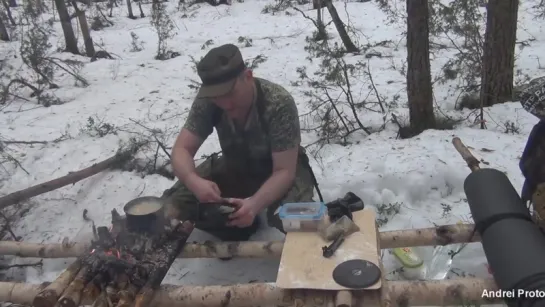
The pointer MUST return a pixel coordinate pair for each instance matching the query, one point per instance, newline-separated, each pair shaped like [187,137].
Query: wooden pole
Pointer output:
[48,297]
[468,157]
[463,291]
[442,235]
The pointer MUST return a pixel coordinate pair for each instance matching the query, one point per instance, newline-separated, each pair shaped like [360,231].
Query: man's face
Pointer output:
[239,98]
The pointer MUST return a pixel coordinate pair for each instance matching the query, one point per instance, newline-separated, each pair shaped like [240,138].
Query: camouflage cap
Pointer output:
[533,99]
[218,70]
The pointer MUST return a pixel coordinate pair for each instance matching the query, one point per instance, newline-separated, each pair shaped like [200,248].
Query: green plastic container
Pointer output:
[413,265]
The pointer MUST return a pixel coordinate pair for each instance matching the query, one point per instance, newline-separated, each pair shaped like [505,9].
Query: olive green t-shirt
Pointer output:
[249,149]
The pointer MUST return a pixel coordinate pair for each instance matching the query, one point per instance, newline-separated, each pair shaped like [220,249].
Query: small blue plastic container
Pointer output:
[304,216]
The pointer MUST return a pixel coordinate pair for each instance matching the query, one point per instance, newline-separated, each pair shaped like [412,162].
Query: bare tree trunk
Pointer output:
[499,52]
[12,3]
[69,36]
[8,11]
[88,41]
[129,8]
[111,5]
[140,8]
[419,89]
[40,6]
[339,25]
[4,35]
[322,33]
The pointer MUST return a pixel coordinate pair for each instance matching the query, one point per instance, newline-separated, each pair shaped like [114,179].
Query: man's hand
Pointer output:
[244,215]
[204,190]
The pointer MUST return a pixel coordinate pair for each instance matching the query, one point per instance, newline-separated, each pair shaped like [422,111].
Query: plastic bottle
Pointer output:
[441,261]
[412,265]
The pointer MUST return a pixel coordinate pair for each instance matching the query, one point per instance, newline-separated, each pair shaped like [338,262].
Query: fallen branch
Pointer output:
[25,142]
[71,178]
[12,159]
[154,132]
[8,142]
[470,159]
[402,293]
[7,227]
[442,235]
[22,265]
[35,91]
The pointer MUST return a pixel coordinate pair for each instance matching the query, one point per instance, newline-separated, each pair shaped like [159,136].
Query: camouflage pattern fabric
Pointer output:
[246,161]
[248,149]
[532,163]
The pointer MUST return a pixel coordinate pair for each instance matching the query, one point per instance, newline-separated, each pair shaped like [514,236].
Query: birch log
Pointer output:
[442,235]
[463,291]
[49,295]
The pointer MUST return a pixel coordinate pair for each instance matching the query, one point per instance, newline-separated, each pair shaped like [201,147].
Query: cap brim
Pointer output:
[211,91]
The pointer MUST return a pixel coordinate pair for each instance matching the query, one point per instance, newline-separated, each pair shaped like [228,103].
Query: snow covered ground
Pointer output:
[423,175]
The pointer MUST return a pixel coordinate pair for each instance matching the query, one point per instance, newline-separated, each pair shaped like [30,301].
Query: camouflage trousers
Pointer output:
[182,203]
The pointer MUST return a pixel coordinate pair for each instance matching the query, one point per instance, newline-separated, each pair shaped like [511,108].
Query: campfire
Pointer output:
[125,263]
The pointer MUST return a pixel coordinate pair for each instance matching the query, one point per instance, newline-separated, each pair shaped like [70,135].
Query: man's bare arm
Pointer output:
[280,181]
[186,146]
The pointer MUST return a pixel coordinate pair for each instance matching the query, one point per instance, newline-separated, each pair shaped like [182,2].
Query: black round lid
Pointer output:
[356,273]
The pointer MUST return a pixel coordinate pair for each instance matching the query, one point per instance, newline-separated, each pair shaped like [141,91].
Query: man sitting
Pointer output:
[532,162]
[262,164]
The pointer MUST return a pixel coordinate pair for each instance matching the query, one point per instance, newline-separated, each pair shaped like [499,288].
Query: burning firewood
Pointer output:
[120,268]
[101,300]
[73,293]
[169,254]
[126,297]
[93,289]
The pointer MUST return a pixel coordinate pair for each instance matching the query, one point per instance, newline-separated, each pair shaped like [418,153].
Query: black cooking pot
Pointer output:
[145,215]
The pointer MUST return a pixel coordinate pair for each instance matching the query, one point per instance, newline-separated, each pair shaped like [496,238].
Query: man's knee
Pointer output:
[180,201]
[183,205]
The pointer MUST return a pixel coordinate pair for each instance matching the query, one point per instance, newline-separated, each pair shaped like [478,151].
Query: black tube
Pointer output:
[510,245]
[513,244]
[492,197]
